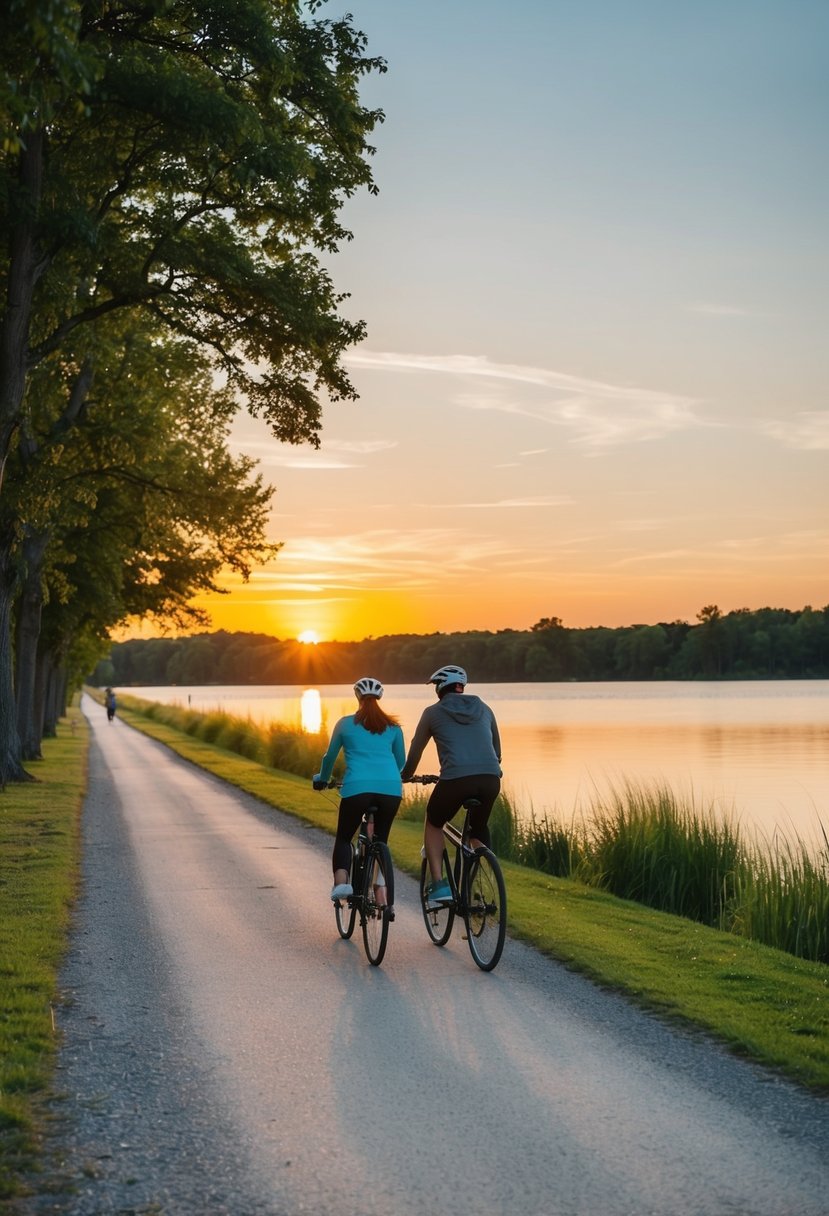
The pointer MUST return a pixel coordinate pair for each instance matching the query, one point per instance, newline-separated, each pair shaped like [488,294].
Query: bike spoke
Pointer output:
[486,909]
[345,911]
[438,921]
[378,893]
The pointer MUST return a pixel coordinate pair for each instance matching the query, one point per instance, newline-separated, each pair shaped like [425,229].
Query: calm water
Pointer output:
[759,749]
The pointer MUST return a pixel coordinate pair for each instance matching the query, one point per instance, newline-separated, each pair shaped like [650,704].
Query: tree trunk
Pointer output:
[11,767]
[24,269]
[29,612]
[52,679]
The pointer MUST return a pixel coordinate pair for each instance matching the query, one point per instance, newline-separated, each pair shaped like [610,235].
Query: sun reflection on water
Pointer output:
[311,711]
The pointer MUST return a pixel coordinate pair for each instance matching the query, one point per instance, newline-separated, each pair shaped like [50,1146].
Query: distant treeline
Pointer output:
[769,643]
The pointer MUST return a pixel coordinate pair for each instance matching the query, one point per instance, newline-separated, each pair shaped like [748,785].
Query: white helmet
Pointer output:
[368,687]
[447,675]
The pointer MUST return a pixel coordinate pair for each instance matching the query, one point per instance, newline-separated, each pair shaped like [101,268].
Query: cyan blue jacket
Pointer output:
[372,762]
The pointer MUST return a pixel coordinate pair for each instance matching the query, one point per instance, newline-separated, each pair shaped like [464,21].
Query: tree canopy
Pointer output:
[171,174]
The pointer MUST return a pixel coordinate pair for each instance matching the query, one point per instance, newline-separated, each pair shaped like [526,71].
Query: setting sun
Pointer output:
[308,637]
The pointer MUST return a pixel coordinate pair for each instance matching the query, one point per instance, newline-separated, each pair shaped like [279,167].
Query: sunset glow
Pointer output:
[594,383]
[309,637]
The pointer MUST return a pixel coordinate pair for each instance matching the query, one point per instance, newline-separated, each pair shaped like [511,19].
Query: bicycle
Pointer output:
[371,872]
[479,895]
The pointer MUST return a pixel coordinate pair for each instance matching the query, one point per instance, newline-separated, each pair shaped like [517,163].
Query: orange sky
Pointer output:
[594,383]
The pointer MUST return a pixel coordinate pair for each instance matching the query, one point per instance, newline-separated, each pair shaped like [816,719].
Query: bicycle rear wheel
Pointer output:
[375,916]
[345,914]
[345,910]
[439,921]
[485,909]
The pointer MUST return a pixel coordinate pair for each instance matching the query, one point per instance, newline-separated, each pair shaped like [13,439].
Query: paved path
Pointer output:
[225,1053]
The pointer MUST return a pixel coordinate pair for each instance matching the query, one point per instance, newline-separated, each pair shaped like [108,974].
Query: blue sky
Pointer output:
[595,282]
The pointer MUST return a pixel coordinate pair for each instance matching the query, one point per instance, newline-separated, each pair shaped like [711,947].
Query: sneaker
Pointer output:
[341,890]
[438,894]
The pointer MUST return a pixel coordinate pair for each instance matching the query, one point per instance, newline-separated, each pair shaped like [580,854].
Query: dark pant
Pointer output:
[351,812]
[448,797]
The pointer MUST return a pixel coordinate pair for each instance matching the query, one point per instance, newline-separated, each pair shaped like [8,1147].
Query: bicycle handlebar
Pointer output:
[425,779]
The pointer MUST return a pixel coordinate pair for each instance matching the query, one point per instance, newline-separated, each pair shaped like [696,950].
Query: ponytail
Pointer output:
[372,718]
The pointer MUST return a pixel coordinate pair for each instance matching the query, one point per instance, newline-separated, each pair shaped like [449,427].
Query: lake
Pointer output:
[758,749]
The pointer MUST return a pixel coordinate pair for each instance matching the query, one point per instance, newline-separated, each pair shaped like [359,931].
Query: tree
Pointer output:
[181,161]
[213,154]
[641,652]
[547,622]
[142,511]
[711,638]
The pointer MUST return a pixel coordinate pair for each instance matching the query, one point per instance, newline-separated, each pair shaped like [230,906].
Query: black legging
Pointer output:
[449,796]
[351,812]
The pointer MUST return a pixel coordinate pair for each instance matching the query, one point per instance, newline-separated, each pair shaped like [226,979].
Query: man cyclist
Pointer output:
[469,750]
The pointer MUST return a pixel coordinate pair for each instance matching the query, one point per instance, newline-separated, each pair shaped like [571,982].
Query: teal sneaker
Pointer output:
[438,894]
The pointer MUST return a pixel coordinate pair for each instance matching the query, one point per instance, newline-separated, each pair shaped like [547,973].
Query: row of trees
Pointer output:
[170,174]
[769,643]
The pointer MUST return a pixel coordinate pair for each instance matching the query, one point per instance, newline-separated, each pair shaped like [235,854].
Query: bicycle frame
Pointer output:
[463,855]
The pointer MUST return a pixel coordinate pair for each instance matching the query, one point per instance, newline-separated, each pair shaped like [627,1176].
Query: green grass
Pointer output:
[763,1003]
[39,843]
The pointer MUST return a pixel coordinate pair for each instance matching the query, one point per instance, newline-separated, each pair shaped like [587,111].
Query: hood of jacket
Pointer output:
[464,707]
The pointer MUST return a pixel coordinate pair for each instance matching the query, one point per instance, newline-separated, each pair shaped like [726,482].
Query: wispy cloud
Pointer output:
[738,551]
[275,455]
[721,310]
[333,454]
[598,413]
[541,500]
[480,365]
[807,430]
[361,447]
[639,525]
[381,558]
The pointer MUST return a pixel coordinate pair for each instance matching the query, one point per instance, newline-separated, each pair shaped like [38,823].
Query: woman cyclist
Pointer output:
[372,742]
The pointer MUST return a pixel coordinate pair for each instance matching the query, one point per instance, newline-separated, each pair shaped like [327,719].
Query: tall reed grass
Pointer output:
[289,748]
[645,844]
[640,842]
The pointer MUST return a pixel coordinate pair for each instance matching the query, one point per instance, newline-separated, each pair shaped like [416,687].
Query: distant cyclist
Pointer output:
[111,704]
[469,750]
[372,742]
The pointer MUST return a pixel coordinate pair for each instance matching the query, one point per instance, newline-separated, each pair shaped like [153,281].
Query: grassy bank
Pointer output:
[761,1002]
[642,842]
[39,841]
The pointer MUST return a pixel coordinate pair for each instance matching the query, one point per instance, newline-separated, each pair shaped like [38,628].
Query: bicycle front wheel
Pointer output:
[439,921]
[378,897]
[485,910]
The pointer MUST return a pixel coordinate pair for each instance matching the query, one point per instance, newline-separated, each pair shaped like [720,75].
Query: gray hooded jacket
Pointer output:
[465,734]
